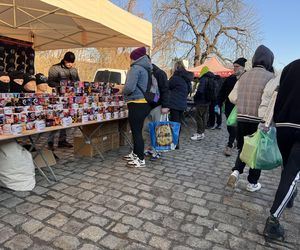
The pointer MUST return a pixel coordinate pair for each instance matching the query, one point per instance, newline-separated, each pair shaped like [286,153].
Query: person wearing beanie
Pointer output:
[203,71]
[29,84]
[138,108]
[228,85]
[137,53]
[202,100]
[247,94]
[4,82]
[42,84]
[62,71]
[16,81]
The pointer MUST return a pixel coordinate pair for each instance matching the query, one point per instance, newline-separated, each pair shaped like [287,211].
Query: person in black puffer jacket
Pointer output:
[179,89]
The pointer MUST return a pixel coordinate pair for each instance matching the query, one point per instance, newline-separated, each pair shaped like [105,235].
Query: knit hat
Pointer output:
[204,70]
[240,61]
[28,78]
[69,57]
[16,75]
[3,74]
[138,53]
[41,78]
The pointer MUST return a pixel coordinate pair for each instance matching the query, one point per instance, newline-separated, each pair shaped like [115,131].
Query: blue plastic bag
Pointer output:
[164,135]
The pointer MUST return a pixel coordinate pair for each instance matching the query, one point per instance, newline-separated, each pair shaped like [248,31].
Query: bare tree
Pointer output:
[197,29]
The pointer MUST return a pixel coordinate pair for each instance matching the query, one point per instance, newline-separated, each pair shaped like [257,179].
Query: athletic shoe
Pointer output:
[155,156]
[197,137]
[137,163]
[228,151]
[130,157]
[273,230]
[148,152]
[253,187]
[233,179]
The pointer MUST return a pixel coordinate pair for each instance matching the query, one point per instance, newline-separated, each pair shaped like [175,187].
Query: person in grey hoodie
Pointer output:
[138,108]
[248,92]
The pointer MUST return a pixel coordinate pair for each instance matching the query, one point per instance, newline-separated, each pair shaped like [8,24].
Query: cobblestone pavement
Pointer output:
[179,202]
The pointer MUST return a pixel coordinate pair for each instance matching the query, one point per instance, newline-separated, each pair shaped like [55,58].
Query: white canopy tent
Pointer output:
[58,24]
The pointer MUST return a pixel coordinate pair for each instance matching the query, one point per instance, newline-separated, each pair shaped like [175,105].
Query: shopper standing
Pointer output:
[138,108]
[228,85]
[202,100]
[247,95]
[62,71]
[287,120]
[179,89]
[162,107]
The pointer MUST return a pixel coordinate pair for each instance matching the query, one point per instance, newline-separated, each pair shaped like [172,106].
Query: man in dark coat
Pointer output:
[58,72]
[228,85]
[202,100]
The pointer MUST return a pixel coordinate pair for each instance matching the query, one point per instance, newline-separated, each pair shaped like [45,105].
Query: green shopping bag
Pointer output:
[232,118]
[268,154]
[249,150]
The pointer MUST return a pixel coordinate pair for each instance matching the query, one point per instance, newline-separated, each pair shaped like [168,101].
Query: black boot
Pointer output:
[290,204]
[273,230]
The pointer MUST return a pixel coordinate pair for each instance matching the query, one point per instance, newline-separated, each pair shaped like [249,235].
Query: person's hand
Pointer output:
[120,87]
[263,127]
[165,111]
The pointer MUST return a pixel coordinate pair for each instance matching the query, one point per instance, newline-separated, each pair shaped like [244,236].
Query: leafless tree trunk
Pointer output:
[197,29]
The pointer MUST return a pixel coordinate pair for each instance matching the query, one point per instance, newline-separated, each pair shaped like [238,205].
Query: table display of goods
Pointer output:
[74,102]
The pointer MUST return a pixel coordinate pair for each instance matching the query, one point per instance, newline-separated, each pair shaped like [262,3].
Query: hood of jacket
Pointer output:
[286,111]
[209,74]
[143,62]
[263,56]
[186,75]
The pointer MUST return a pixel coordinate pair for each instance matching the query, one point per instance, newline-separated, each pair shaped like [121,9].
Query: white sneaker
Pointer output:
[137,163]
[130,157]
[197,137]
[253,187]
[233,179]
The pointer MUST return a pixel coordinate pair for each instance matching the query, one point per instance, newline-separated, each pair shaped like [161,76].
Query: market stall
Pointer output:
[45,24]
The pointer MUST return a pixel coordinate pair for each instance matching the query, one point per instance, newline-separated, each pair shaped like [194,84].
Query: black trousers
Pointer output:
[244,129]
[213,117]
[289,145]
[176,116]
[232,133]
[137,113]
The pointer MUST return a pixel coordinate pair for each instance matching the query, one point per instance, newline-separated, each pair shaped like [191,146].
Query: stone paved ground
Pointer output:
[179,202]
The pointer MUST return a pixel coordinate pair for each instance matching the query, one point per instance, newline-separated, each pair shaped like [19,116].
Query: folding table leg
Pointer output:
[123,134]
[39,152]
[88,139]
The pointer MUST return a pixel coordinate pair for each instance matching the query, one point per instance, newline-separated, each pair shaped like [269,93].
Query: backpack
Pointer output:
[152,94]
[214,85]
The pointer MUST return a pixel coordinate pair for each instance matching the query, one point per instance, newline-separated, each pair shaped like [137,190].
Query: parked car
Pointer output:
[106,75]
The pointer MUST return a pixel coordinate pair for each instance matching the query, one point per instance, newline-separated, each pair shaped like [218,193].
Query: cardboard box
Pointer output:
[110,127]
[104,143]
[48,156]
